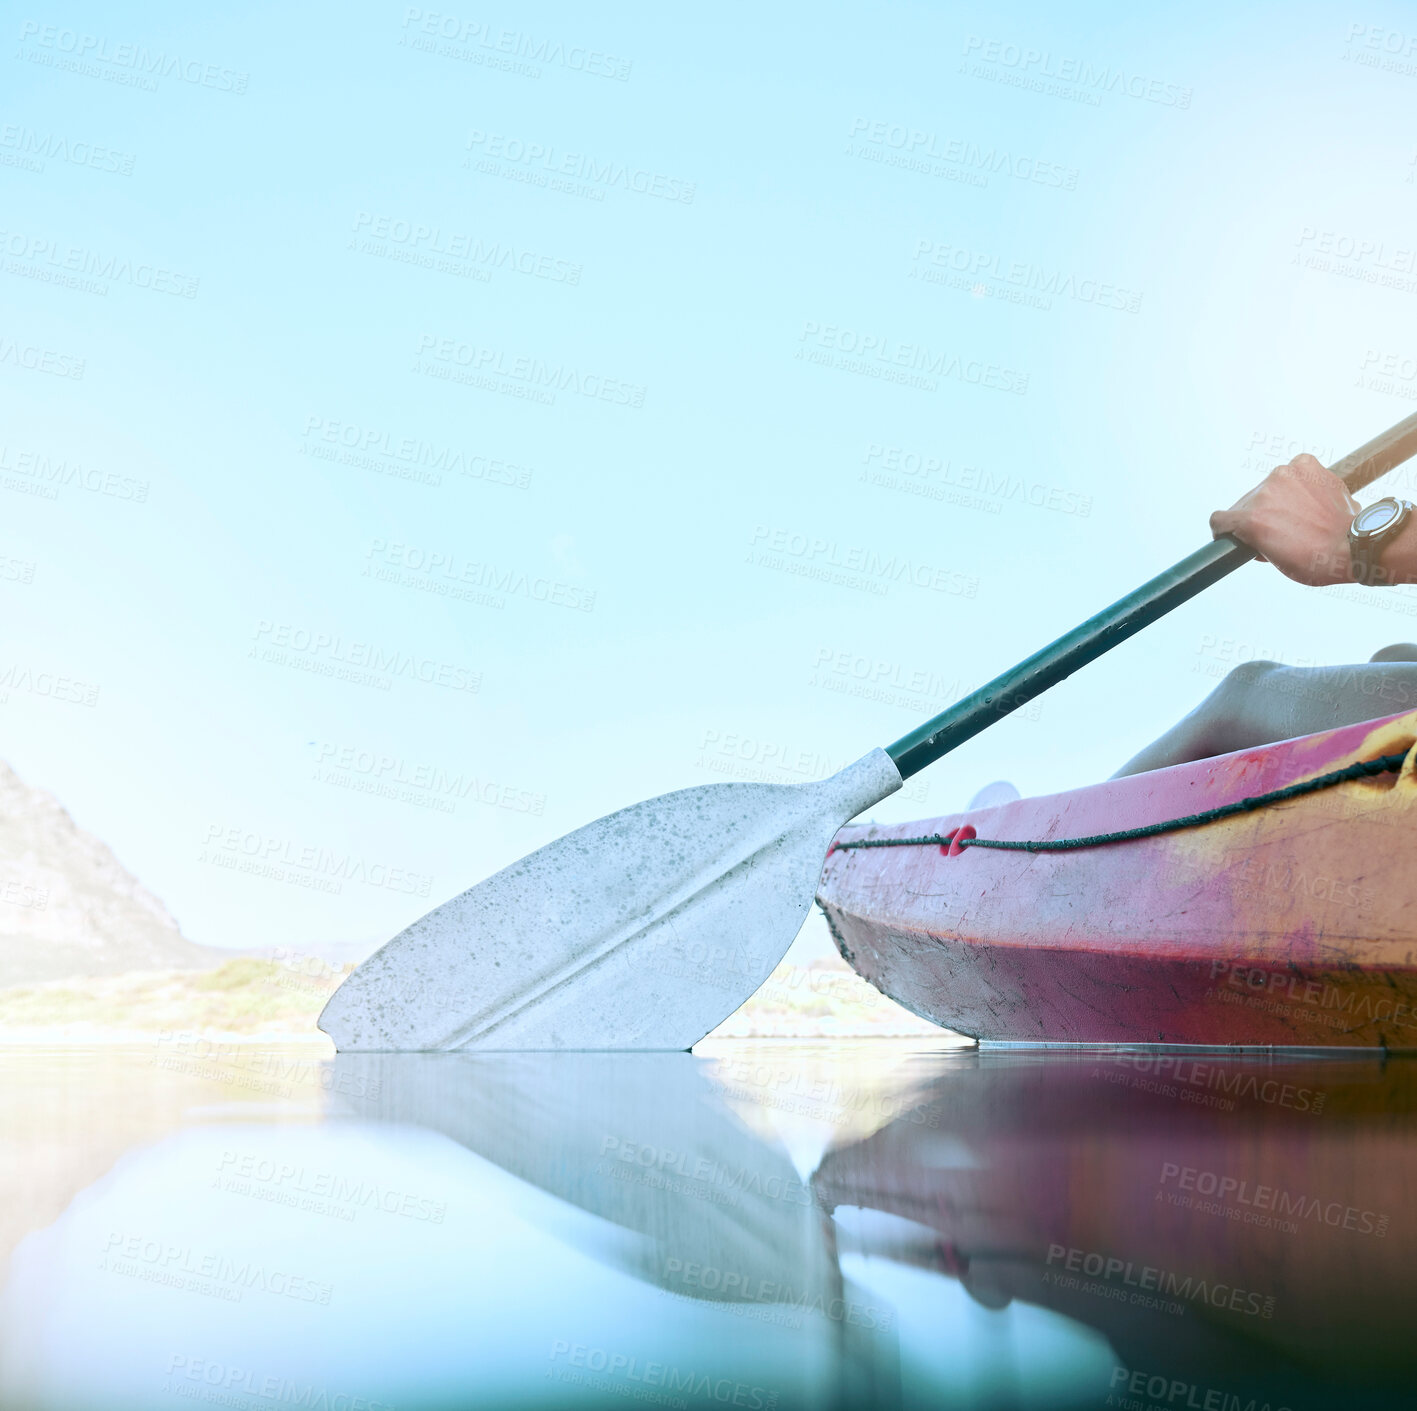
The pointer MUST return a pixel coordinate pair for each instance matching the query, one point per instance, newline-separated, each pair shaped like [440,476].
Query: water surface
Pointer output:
[766,1226]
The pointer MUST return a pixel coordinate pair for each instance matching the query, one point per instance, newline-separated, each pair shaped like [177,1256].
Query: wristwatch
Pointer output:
[1372,530]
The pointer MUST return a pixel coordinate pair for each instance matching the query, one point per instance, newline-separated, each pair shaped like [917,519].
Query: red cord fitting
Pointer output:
[958,836]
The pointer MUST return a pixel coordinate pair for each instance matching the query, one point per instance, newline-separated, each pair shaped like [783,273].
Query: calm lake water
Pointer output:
[766,1226]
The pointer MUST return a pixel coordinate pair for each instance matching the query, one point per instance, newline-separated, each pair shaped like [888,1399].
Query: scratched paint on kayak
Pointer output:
[1292,925]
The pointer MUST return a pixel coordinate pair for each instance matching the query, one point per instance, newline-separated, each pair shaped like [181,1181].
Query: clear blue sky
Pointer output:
[783,373]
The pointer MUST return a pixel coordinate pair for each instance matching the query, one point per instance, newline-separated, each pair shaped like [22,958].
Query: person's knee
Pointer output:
[1398,651]
[1217,725]
[1244,679]
[1230,711]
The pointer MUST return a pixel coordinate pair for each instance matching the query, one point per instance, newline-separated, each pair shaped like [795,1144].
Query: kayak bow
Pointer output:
[1293,924]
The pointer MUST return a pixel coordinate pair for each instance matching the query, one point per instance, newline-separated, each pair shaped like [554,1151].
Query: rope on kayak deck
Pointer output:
[1363,769]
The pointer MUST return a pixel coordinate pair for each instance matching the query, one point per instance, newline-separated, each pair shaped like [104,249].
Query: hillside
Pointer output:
[68,907]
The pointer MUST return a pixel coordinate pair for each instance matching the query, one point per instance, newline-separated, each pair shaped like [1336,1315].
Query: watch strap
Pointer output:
[1363,555]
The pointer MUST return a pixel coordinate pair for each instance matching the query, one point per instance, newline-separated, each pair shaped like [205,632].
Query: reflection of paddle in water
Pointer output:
[641,1141]
[695,1203]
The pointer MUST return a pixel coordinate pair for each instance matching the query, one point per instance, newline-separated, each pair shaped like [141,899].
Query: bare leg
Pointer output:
[1262,701]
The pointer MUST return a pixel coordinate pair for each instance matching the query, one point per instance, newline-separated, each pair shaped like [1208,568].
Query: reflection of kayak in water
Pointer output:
[1263,1242]
[1291,924]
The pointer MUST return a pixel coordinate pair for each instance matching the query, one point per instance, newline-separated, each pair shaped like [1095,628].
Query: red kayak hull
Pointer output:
[1292,926]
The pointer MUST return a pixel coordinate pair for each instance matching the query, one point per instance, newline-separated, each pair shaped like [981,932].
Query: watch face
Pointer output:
[1376,517]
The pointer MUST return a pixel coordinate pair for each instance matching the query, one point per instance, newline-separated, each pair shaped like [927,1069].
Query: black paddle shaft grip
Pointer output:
[1114,624]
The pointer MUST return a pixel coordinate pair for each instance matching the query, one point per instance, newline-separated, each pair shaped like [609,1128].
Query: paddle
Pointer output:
[647,928]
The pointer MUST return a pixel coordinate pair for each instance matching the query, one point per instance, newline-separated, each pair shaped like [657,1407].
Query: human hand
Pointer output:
[1296,518]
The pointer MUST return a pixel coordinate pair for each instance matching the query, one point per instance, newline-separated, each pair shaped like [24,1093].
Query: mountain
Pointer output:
[69,907]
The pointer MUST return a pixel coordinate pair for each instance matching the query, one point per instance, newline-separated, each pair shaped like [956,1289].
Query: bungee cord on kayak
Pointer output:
[1363,769]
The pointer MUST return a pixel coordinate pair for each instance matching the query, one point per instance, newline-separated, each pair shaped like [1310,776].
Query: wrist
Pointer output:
[1332,563]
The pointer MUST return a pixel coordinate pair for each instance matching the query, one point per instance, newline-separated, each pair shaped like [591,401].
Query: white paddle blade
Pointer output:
[642,930]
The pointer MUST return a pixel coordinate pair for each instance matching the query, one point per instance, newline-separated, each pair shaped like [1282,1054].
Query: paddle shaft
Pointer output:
[1122,619]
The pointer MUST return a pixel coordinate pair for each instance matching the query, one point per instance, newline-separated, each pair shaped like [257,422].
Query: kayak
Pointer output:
[1290,923]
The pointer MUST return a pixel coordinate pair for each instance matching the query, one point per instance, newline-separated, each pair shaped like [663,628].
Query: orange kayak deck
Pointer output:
[1291,926]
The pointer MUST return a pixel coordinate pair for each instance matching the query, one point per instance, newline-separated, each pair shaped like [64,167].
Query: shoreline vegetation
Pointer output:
[257,1000]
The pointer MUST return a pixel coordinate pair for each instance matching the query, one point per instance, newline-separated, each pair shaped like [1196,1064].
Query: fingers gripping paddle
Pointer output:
[647,928]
